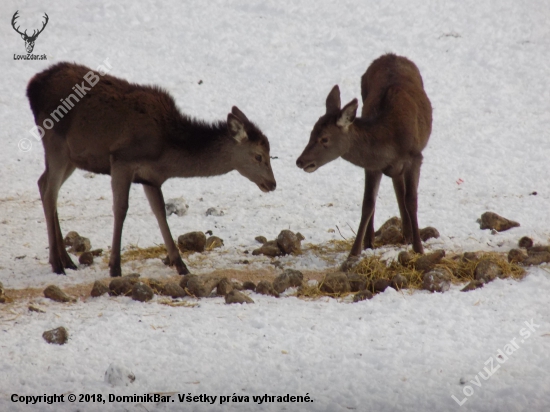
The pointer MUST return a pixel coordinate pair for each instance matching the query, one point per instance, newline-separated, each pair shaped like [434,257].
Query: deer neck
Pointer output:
[209,155]
[362,144]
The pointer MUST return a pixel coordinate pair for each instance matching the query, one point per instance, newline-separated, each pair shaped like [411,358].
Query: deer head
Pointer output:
[29,40]
[251,153]
[329,138]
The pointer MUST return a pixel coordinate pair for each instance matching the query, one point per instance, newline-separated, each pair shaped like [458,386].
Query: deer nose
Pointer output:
[299,163]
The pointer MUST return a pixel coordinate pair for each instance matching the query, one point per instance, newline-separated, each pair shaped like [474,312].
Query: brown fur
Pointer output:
[388,138]
[137,135]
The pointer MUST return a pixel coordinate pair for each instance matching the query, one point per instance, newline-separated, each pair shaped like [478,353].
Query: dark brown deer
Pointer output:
[388,139]
[136,134]
[29,40]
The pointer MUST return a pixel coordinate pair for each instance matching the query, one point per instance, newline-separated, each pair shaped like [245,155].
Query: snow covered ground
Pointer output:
[485,67]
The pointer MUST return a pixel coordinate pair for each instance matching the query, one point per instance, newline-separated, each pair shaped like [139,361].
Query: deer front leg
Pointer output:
[412,176]
[368,241]
[372,183]
[156,201]
[121,180]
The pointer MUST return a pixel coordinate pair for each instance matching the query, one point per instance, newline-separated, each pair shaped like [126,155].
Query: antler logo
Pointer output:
[29,40]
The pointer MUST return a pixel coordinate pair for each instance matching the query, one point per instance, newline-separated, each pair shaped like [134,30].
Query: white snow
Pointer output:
[485,67]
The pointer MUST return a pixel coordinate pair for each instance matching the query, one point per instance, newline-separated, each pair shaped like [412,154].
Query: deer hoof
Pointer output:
[350,262]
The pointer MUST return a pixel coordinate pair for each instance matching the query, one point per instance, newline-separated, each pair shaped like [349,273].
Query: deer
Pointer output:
[29,40]
[388,139]
[136,134]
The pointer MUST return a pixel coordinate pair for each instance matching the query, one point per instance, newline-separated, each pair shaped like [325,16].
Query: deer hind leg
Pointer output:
[400,192]
[156,201]
[372,183]
[58,169]
[412,177]
[121,180]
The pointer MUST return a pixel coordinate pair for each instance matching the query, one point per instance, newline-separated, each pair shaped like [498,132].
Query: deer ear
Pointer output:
[333,100]
[347,116]
[236,128]
[240,115]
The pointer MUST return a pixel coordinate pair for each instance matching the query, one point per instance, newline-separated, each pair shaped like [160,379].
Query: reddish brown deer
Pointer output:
[136,134]
[388,139]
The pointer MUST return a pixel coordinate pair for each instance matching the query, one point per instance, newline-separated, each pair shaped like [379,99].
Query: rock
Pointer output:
[487,271]
[516,256]
[266,288]
[213,242]
[173,290]
[427,262]
[54,293]
[428,233]
[525,242]
[380,285]
[260,239]
[237,297]
[288,242]
[177,206]
[404,258]
[537,249]
[392,221]
[237,285]
[270,248]
[469,256]
[185,280]
[192,242]
[335,283]
[80,245]
[474,284]
[289,278]
[70,238]
[300,236]
[58,336]
[2,297]
[437,280]
[212,211]
[122,286]
[249,285]
[98,289]
[356,282]
[391,236]
[118,375]
[156,285]
[536,259]
[224,287]
[142,292]
[86,259]
[202,286]
[490,220]
[363,295]
[399,282]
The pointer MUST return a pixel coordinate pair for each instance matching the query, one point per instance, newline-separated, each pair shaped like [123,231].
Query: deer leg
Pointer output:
[121,180]
[62,252]
[368,241]
[412,176]
[58,169]
[400,192]
[372,183]
[156,201]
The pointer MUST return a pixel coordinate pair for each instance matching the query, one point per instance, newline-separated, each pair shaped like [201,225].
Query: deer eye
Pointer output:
[258,157]
[324,140]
